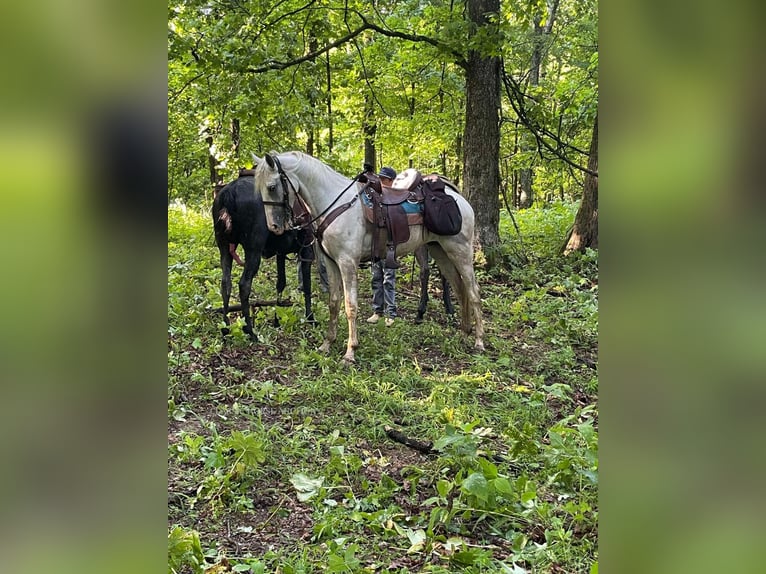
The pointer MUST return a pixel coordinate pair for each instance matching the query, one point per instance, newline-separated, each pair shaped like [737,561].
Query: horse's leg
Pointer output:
[252,263]
[447,296]
[336,291]
[226,263]
[348,270]
[305,255]
[474,301]
[461,255]
[324,282]
[281,283]
[421,256]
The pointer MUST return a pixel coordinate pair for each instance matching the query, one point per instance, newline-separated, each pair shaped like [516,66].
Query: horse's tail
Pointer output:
[224,206]
[224,221]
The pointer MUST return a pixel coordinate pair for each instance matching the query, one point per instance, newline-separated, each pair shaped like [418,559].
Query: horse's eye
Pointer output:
[272,187]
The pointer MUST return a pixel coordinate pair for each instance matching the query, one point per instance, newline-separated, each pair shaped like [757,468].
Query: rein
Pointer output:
[286,200]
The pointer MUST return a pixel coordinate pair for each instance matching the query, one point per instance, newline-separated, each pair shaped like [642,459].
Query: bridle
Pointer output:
[285,202]
[299,222]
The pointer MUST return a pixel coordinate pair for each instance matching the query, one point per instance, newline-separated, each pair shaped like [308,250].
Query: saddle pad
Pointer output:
[409,207]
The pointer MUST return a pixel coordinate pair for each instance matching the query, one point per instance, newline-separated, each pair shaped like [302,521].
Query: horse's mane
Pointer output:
[317,171]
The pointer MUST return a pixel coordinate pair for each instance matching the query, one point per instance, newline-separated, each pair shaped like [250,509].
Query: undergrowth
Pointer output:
[279,458]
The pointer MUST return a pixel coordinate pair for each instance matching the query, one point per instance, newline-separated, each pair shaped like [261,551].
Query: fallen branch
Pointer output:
[395,435]
[269,303]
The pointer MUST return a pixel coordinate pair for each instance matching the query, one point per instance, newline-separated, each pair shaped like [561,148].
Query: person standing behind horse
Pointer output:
[384,278]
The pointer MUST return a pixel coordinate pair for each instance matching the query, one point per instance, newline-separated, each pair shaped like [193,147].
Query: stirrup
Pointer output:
[391,262]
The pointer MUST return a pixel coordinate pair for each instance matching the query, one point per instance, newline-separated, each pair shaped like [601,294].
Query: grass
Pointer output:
[278,457]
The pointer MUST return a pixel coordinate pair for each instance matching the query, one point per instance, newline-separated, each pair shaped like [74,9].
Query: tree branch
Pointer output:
[516,98]
[277,65]
[459,58]
[175,93]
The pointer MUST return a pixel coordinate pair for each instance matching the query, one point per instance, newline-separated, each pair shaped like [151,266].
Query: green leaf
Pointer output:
[528,496]
[476,485]
[443,487]
[503,486]
[464,557]
[336,563]
[446,440]
[488,468]
[306,486]
[556,440]
[337,450]
[594,568]
[417,540]
[241,568]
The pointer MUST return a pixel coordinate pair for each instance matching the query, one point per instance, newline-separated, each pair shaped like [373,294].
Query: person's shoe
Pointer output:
[389,321]
[374,318]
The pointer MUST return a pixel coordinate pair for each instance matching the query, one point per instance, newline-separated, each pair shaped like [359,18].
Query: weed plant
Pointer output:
[279,458]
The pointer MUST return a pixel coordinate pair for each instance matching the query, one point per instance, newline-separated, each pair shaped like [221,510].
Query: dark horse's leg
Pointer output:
[252,263]
[447,297]
[421,255]
[226,262]
[281,282]
[423,258]
[305,256]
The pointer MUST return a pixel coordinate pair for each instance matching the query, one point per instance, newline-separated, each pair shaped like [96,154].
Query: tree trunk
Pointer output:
[235,138]
[458,155]
[329,103]
[527,177]
[585,230]
[211,161]
[481,138]
[369,127]
[313,47]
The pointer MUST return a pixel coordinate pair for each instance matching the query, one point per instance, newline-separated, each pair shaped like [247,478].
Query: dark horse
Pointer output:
[422,257]
[239,219]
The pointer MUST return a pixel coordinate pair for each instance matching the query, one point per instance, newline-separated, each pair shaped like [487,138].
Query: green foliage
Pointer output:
[184,551]
[418,89]
[272,437]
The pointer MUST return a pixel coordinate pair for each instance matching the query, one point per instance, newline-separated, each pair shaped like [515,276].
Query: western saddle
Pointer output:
[392,210]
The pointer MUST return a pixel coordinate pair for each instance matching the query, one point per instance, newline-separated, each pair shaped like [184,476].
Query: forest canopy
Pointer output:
[386,80]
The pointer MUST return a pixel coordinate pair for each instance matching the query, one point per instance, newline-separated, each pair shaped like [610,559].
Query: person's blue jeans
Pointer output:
[383,290]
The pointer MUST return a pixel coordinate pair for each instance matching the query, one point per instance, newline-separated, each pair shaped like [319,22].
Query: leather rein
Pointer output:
[297,222]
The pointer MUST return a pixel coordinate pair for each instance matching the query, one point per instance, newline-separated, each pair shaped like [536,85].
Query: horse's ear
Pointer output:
[270,161]
[256,160]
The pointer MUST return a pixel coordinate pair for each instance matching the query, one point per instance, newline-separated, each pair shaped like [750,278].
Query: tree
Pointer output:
[481,140]
[539,34]
[585,230]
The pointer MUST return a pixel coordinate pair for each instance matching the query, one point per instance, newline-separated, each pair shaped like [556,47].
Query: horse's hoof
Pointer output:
[418,319]
[349,360]
[325,348]
[478,347]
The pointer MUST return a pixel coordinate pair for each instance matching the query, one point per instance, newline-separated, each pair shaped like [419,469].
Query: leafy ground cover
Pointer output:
[278,456]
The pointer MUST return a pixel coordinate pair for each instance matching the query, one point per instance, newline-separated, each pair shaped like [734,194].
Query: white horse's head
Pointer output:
[276,189]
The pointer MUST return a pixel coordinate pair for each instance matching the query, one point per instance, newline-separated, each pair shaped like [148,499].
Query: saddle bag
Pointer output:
[441,214]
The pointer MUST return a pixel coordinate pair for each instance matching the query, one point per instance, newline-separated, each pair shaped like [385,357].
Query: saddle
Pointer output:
[392,210]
